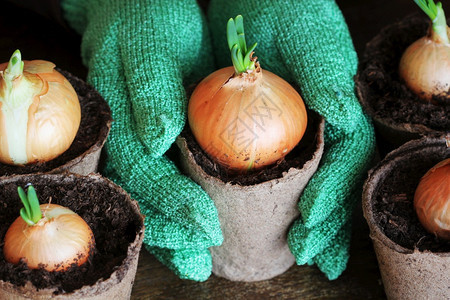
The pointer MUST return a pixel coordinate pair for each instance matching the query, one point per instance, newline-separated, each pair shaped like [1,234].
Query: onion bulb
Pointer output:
[425,64]
[432,200]
[244,117]
[47,235]
[39,111]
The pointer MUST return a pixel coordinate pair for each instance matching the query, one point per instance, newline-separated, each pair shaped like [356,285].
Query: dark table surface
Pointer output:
[40,38]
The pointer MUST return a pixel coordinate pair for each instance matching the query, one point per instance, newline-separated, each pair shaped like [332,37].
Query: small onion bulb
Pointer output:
[47,235]
[39,111]
[432,200]
[57,241]
[425,64]
[425,68]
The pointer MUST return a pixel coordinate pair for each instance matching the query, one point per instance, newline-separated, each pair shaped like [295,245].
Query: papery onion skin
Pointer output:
[432,200]
[53,117]
[57,241]
[246,121]
[425,68]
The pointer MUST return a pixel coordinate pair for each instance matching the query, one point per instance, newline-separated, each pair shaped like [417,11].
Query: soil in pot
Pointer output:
[384,95]
[302,153]
[413,263]
[94,128]
[114,222]
[393,208]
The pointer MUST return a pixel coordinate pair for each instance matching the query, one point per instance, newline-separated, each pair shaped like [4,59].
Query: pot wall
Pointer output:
[406,273]
[254,218]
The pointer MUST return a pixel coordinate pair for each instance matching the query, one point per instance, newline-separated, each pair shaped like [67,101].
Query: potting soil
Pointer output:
[394,211]
[385,92]
[302,153]
[114,226]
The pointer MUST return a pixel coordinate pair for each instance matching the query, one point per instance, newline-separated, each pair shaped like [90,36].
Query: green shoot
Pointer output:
[15,66]
[31,212]
[428,7]
[437,16]
[240,54]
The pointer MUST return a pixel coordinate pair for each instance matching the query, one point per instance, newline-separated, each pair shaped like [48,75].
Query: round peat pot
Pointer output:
[414,264]
[399,115]
[115,220]
[83,155]
[255,210]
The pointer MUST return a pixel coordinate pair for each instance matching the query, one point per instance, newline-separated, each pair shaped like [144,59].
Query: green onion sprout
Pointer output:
[437,16]
[240,54]
[31,212]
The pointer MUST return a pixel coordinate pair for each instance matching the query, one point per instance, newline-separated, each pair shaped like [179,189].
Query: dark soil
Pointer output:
[393,206]
[95,114]
[114,225]
[302,153]
[384,91]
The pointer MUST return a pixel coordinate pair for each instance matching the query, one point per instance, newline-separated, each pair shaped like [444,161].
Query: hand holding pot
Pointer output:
[307,43]
[139,55]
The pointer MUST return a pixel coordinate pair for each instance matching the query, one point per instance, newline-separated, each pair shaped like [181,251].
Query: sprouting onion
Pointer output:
[244,117]
[425,64]
[432,200]
[47,235]
[39,111]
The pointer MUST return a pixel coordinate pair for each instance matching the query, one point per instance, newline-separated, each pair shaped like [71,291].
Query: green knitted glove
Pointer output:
[140,54]
[307,42]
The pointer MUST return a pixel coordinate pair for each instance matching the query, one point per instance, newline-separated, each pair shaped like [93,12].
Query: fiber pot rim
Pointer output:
[292,171]
[102,284]
[379,172]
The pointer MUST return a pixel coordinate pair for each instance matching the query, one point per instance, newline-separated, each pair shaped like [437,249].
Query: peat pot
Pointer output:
[118,229]
[398,114]
[255,210]
[414,264]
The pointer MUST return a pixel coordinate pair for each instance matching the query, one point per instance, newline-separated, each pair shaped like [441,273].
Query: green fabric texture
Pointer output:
[307,42]
[140,56]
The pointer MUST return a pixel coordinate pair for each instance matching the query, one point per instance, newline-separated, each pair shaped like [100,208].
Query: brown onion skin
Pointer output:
[53,118]
[247,121]
[432,200]
[54,244]
[425,68]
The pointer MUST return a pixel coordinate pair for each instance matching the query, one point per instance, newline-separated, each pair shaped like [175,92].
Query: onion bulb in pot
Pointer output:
[47,235]
[244,117]
[39,111]
[432,200]
[425,64]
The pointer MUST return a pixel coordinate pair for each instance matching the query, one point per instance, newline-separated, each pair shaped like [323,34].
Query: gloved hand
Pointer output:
[140,54]
[307,42]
